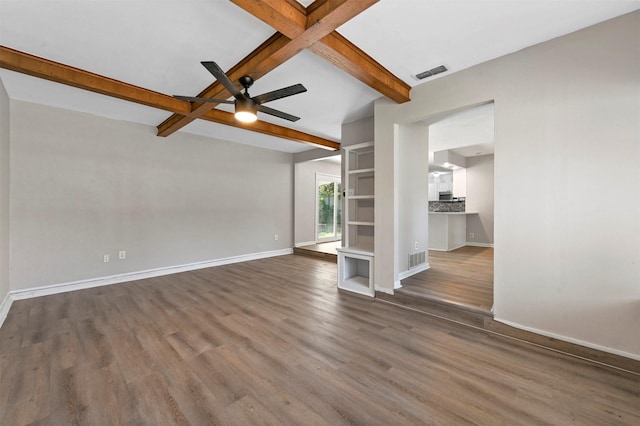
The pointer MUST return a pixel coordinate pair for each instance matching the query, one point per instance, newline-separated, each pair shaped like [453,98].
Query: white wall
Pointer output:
[305,197]
[479,199]
[359,131]
[412,189]
[4,194]
[567,263]
[84,186]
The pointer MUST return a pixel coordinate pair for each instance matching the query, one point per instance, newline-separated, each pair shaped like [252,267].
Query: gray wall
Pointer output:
[305,197]
[480,199]
[566,133]
[84,186]
[4,193]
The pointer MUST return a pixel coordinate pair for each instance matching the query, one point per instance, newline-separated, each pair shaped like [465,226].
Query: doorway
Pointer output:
[328,208]
[461,211]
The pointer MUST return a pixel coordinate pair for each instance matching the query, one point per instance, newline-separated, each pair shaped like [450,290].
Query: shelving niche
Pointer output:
[355,259]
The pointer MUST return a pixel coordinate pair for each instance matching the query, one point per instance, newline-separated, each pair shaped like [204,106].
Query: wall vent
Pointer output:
[416,259]
[431,72]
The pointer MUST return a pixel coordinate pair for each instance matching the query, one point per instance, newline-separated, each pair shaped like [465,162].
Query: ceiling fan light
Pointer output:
[246,116]
[246,111]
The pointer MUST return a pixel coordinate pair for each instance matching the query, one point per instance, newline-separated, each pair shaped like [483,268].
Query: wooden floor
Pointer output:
[462,277]
[272,341]
[327,251]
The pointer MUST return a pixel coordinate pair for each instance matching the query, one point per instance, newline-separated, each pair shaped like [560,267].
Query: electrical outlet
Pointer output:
[275,237]
[472,235]
[106,258]
[122,255]
[416,245]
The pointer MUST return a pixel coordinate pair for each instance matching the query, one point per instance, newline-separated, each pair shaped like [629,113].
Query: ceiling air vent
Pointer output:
[431,72]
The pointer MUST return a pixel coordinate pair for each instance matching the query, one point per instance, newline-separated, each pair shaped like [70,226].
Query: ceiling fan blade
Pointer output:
[279,94]
[277,113]
[196,99]
[223,79]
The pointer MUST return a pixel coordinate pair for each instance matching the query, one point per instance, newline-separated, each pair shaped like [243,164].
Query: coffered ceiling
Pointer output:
[347,53]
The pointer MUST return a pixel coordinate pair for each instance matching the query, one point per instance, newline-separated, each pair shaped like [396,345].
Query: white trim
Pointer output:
[464,245]
[133,276]
[413,271]
[335,179]
[305,243]
[386,289]
[479,244]
[4,308]
[570,340]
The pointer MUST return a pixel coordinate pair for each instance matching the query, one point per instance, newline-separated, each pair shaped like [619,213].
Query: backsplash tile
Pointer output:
[447,206]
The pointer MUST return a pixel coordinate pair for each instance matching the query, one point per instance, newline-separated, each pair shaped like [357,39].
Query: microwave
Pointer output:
[445,196]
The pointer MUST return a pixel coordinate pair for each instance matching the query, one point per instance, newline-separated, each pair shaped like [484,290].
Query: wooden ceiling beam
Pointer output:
[281,15]
[35,66]
[333,47]
[345,55]
[224,117]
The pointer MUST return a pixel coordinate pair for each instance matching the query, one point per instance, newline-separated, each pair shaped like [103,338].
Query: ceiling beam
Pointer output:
[345,55]
[300,32]
[224,117]
[35,66]
[333,47]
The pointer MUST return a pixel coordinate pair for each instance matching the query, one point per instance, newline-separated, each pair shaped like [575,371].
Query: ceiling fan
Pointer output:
[246,106]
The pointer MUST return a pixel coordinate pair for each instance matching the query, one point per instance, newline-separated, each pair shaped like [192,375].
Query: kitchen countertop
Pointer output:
[458,213]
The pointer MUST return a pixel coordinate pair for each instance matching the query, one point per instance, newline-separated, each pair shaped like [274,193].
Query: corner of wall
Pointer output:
[5,122]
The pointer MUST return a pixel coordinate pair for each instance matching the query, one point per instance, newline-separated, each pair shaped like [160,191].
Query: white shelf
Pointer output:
[360,171]
[355,271]
[355,260]
[358,285]
[355,250]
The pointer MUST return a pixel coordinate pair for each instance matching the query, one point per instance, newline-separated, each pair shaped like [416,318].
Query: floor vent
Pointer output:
[417,259]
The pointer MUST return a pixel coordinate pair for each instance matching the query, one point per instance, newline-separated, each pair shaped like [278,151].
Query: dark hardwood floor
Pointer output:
[462,277]
[272,341]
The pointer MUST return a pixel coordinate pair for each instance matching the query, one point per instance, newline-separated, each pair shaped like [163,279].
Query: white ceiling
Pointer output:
[158,45]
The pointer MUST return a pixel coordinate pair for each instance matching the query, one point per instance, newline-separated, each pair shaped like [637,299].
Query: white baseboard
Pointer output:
[4,308]
[479,244]
[385,289]
[413,271]
[139,275]
[570,339]
[305,243]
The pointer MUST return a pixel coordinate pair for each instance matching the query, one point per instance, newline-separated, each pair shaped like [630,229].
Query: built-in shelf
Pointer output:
[360,171]
[353,222]
[355,259]
[355,271]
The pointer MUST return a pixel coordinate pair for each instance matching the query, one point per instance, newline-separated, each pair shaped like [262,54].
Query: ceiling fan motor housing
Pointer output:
[246,81]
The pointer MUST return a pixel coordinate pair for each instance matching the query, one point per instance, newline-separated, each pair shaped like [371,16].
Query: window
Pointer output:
[328,208]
